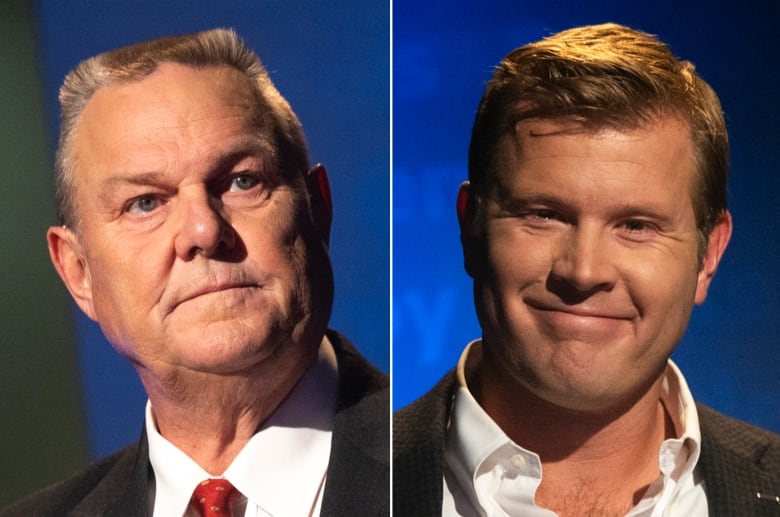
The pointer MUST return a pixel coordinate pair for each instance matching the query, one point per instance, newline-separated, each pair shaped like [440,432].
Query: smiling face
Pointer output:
[584,259]
[193,249]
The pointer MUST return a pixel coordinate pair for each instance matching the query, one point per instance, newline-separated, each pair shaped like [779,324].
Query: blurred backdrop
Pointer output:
[443,55]
[66,395]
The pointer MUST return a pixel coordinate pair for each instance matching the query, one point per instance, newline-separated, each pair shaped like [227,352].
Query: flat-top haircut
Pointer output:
[605,76]
[217,47]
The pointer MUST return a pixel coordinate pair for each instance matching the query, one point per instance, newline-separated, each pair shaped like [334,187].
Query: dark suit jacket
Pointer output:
[358,480]
[737,459]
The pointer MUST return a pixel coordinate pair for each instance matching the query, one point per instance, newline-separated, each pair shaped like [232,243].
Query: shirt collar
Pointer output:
[175,474]
[474,434]
[281,469]
[476,445]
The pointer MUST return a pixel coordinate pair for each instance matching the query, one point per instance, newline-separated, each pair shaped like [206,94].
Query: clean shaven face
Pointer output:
[196,251]
[590,267]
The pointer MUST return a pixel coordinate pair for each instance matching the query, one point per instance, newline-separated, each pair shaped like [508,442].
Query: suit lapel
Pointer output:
[358,478]
[418,451]
[124,491]
[737,462]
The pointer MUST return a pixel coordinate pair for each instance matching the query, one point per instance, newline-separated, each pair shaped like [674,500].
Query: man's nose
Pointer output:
[203,229]
[584,260]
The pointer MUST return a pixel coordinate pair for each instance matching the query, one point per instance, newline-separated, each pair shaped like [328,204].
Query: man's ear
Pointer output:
[68,258]
[465,206]
[716,245]
[320,200]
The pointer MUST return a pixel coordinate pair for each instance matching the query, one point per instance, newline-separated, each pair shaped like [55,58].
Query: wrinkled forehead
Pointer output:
[176,99]
[176,117]
[178,88]
[189,91]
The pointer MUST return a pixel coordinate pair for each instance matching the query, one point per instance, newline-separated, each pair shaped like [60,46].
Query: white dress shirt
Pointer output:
[485,473]
[281,470]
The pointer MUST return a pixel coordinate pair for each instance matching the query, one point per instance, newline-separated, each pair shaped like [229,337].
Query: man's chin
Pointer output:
[227,341]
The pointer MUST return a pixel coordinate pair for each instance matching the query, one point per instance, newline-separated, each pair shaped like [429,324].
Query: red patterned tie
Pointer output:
[212,498]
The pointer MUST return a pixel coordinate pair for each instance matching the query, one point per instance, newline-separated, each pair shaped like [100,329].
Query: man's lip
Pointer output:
[212,289]
[583,312]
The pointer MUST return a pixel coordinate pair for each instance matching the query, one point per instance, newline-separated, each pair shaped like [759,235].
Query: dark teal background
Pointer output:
[443,55]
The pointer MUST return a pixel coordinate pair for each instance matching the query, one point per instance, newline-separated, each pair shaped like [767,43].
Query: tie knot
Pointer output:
[212,497]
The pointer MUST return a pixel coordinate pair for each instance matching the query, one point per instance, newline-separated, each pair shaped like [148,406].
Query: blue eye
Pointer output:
[144,204]
[243,182]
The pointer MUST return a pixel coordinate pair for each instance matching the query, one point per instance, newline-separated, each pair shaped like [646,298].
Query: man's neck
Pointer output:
[611,456]
[211,417]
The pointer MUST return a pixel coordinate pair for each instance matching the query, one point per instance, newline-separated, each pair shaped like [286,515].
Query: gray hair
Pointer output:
[217,47]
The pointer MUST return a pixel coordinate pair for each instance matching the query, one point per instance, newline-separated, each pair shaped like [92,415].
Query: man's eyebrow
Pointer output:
[110,185]
[245,148]
[510,203]
[144,178]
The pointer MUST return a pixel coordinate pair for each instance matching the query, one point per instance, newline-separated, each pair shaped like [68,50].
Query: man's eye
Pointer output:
[545,214]
[243,182]
[635,226]
[144,204]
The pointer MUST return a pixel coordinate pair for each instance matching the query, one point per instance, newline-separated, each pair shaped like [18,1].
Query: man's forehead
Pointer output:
[176,111]
[174,95]
[553,138]
[525,132]
[574,125]
[174,82]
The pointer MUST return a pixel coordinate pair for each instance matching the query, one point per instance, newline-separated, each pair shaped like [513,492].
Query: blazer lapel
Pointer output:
[418,451]
[358,478]
[738,462]
[124,491]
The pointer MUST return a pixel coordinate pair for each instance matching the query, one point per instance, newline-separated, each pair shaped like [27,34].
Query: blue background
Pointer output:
[332,62]
[332,65]
[444,53]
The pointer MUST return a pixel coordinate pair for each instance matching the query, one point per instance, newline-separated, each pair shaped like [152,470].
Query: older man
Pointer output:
[593,221]
[195,232]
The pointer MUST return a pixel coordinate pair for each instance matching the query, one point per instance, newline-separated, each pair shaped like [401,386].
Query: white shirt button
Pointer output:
[518,461]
